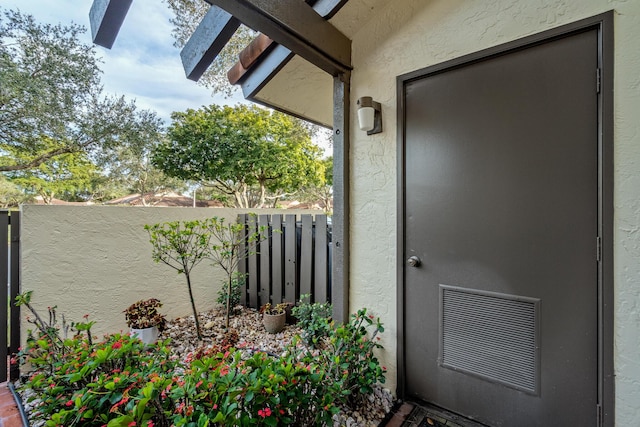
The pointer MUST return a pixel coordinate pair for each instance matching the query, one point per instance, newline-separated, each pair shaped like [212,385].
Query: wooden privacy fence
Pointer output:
[10,276]
[292,259]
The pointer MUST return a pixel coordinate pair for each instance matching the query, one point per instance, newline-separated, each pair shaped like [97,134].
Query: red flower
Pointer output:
[116,345]
[69,403]
[264,413]
[132,424]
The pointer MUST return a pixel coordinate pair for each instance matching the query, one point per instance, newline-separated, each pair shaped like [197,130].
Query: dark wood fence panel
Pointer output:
[265,266]
[292,259]
[322,255]
[10,276]
[252,228]
[242,266]
[277,265]
[306,261]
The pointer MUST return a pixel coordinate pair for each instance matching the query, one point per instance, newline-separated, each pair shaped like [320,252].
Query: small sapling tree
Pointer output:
[232,243]
[181,245]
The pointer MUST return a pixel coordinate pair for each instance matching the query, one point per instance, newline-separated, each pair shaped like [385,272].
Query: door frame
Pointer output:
[604,24]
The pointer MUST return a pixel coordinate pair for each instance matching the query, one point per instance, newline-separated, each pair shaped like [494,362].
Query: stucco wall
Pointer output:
[97,261]
[411,34]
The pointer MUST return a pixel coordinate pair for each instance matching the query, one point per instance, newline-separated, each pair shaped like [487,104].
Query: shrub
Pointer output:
[314,319]
[348,356]
[237,284]
[79,382]
[97,384]
[230,390]
[119,381]
[144,314]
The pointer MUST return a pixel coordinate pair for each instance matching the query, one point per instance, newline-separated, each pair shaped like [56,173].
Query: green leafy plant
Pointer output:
[350,358]
[82,383]
[268,308]
[50,333]
[314,319]
[111,382]
[120,382]
[237,285]
[144,314]
[231,390]
[181,245]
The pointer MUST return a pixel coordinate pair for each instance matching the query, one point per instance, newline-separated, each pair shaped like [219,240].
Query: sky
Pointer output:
[143,64]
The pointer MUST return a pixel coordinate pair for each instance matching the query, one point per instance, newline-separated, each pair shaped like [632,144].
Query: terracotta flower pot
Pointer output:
[274,323]
[146,335]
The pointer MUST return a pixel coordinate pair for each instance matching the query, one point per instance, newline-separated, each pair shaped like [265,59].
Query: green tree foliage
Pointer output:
[67,176]
[10,194]
[130,171]
[187,16]
[321,191]
[247,152]
[181,245]
[51,100]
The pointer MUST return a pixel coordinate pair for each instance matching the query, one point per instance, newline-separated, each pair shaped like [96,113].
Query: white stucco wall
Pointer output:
[96,260]
[411,34]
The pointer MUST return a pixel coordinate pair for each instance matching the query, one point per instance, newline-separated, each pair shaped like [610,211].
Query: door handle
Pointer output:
[414,261]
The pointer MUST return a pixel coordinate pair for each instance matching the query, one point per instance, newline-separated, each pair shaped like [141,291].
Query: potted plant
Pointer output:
[274,317]
[145,321]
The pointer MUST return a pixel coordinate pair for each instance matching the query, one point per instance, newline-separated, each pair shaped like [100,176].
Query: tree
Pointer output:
[187,16]
[10,194]
[230,247]
[322,191]
[51,101]
[65,176]
[181,245]
[129,170]
[241,149]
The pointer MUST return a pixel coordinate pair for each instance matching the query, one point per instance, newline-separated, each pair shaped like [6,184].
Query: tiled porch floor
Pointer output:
[410,414]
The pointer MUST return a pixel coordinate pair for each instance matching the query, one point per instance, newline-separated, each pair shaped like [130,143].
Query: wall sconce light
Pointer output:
[369,115]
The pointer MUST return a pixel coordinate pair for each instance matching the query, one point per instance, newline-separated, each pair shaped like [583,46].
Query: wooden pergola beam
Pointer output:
[106,18]
[206,42]
[295,25]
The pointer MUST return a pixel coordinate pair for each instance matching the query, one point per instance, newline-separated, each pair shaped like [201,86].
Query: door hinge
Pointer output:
[600,420]
[598,79]
[598,248]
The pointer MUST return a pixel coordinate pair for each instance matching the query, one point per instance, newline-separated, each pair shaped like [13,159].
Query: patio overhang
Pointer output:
[281,79]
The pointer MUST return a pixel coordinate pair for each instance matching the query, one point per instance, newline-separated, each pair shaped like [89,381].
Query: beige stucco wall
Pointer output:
[309,91]
[97,260]
[411,34]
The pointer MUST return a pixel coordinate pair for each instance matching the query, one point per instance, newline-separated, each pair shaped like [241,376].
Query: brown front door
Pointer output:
[500,212]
